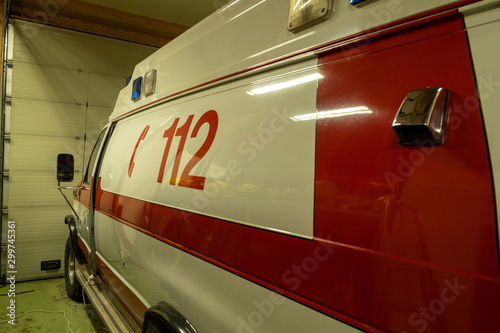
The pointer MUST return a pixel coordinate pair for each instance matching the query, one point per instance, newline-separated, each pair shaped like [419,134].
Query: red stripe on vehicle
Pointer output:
[236,248]
[320,274]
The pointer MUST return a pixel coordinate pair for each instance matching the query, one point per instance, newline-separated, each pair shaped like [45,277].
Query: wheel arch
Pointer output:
[73,236]
[164,316]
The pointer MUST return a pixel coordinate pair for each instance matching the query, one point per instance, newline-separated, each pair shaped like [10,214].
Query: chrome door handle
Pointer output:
[421,119]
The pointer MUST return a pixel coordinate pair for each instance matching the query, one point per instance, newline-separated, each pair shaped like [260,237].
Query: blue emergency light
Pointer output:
[356,2]
[137,88]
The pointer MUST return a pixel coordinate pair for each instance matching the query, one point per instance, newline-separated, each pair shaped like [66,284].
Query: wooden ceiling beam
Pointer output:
[98,20]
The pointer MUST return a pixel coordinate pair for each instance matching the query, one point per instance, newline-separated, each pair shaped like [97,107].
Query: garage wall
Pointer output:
[64,86]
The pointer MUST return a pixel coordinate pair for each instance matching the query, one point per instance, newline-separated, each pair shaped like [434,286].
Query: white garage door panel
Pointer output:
[64,85]
[28,257]
[35,117]
[32,213]
[103,90]
[96,118]
[36,82]
[37,152]
[44,45]
[41,224]
[37,197]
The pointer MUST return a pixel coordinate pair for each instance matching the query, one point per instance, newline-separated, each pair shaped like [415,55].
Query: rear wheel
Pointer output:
[73,287]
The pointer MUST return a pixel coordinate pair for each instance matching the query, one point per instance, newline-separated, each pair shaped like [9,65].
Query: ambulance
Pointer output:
[300,166]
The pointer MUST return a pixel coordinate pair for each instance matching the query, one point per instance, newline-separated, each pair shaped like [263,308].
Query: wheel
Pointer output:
[73,287]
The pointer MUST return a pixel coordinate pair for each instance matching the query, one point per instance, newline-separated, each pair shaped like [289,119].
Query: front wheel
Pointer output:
[73,287]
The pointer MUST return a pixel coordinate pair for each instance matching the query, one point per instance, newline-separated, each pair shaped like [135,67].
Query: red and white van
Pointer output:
[301,166]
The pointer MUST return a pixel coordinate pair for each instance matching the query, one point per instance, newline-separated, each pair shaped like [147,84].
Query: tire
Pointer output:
[73,287]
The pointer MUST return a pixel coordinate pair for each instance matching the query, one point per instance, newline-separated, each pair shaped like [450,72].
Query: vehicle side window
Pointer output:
[93,157]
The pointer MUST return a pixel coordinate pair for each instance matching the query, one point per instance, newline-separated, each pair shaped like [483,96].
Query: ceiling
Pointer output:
[183,12]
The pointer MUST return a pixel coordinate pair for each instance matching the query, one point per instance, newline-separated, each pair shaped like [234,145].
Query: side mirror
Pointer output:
[65,167]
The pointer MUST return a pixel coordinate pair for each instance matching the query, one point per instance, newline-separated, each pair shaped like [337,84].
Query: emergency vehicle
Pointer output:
[300,166]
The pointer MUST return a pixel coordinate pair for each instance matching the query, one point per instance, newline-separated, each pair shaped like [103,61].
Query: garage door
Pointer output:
[62,87]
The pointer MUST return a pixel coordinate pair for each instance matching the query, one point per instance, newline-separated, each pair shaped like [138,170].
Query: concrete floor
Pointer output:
[47,295]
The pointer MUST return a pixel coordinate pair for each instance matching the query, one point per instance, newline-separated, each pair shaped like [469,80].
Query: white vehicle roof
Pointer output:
[247,34]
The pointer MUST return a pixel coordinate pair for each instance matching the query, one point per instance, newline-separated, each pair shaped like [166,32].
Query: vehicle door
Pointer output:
[83,200]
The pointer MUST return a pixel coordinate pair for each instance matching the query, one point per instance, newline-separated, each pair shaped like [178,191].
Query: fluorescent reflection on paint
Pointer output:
[284,85]
[333,113]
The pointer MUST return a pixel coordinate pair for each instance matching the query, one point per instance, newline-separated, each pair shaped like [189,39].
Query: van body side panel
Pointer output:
[251,215]
[127,297]
[81,203]
[84,247]
[237,153]
[415,221]
[213,299]
[483,27]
